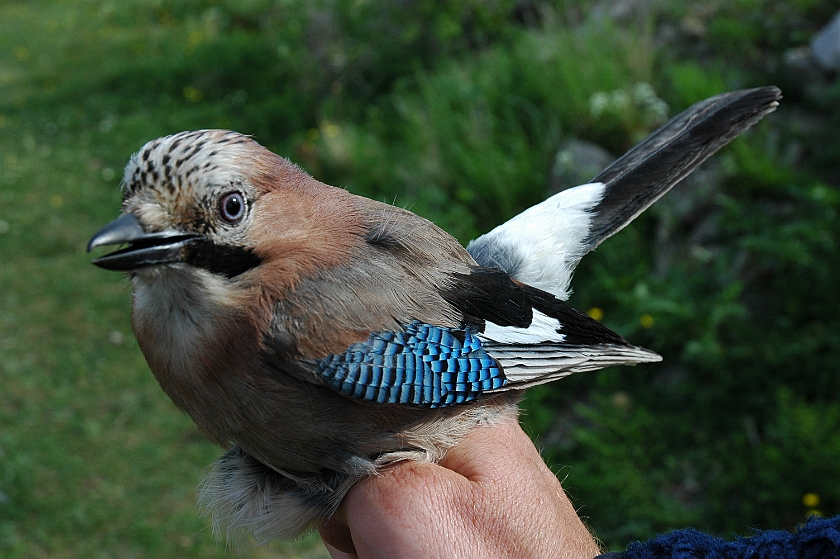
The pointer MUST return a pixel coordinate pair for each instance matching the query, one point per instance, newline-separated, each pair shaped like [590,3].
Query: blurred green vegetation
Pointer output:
[454,109]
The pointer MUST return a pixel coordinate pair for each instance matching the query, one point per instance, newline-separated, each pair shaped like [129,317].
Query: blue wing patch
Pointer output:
[423,365]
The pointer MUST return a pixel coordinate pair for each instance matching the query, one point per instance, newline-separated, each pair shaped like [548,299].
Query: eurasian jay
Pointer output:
[324,336]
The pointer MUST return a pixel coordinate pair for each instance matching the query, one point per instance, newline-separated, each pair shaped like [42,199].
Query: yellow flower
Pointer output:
[330,129]
[22,53]
[646,320]
[193,94]
[811,500]
[596,312]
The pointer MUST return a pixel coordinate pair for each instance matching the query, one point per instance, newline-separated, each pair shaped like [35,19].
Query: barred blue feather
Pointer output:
[423,365]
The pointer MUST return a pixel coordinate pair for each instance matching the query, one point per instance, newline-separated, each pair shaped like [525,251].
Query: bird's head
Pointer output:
[216,201]
[187,197]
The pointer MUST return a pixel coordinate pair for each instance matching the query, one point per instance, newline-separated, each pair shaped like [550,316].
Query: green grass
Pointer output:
[459,119]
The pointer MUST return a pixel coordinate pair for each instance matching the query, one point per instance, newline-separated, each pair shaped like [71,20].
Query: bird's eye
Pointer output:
[232,207]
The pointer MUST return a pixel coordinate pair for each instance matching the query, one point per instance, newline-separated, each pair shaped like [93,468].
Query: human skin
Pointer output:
[491,496]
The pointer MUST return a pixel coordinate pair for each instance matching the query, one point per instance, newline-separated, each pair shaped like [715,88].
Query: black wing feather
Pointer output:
[489,294]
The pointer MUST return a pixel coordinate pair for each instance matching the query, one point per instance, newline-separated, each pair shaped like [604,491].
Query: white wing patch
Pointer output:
[546,241]
[543,329]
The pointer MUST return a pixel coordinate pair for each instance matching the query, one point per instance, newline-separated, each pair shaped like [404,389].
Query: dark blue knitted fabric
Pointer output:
[819,538]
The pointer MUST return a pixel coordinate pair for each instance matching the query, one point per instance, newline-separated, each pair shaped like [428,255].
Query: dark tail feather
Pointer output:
[646,172]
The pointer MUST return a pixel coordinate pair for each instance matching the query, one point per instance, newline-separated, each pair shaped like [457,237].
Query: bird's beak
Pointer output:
[144,249]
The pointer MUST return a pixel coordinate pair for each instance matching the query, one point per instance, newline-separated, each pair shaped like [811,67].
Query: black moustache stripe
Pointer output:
[228,261]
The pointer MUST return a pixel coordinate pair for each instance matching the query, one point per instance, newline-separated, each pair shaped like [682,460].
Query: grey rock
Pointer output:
[803,75]
[825,46]
[577,162]
[801,68]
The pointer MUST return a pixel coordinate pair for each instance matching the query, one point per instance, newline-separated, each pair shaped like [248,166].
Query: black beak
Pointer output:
[144,249]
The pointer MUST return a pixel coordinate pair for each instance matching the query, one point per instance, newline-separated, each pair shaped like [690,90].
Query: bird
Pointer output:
[320,337]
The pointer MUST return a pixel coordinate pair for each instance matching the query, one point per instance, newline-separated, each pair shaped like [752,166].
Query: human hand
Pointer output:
[491,496]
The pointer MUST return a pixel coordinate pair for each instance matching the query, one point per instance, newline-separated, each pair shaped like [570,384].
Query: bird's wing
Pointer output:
[512,336]
[543,245]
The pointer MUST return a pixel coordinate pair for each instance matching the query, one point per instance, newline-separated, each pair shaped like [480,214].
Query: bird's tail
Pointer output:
[543,245]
